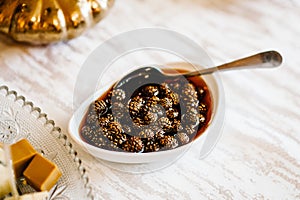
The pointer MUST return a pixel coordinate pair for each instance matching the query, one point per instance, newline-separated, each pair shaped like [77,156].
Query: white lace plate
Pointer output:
[20,119]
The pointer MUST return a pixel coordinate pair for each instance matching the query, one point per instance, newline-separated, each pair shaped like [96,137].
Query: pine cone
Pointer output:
[168,142]
[151,90]
[118,94]
[164,89]
[182,137]
[166,103]
[135,105]
[92,118]
[133,144]
[172,113]
[114,133]
[190,119]
[150,118]
[146,133]
[118,110]
[151,145]
[175,86]
[151,102]
[94,137]
[100,107]
[165,123]
[190,131]
[104,121]
[174,97]
[189,90]
[114,128]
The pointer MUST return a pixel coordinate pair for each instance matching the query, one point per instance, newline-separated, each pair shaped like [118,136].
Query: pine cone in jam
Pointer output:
[48,21]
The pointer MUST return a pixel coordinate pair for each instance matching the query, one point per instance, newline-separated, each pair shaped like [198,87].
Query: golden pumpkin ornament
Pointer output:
[48,21]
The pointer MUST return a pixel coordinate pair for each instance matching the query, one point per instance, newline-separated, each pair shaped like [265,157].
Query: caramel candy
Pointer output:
[41,174]
[22,154]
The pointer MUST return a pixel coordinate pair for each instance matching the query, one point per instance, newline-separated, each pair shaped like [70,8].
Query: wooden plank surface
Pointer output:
[258,155]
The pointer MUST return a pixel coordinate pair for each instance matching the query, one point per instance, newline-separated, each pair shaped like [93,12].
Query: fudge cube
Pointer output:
[41,173]
[21,153]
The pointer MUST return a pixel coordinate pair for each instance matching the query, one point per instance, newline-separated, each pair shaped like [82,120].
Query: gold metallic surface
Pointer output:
[47,21]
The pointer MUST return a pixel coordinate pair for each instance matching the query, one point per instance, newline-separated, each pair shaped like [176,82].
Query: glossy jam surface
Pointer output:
[149,117]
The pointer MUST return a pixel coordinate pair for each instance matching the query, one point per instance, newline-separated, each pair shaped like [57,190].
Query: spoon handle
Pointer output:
[266,59]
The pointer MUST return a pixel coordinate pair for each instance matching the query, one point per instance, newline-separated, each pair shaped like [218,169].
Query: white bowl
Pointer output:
[207,139]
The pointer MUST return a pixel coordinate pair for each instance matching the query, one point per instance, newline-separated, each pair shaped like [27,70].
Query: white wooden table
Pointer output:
[258,155]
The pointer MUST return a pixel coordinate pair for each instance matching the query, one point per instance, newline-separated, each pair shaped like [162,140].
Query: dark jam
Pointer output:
[152,117]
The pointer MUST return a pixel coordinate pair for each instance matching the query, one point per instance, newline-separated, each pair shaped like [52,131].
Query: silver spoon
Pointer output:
[153,74]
